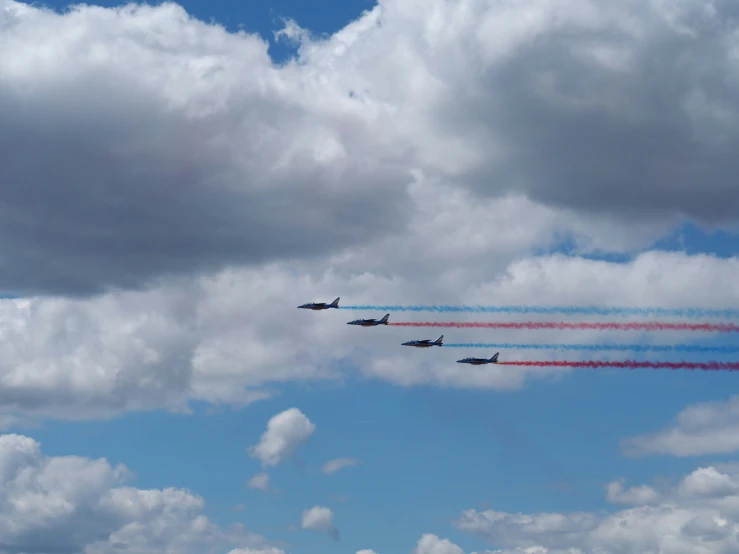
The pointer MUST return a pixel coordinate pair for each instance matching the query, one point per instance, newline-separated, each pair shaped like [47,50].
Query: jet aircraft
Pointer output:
[370,322]
[425,343]
[480,361]
[320,305]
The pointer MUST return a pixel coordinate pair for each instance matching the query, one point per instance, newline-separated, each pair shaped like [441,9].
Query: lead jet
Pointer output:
[370,322]
[320,305]
[425,343]
[480,361]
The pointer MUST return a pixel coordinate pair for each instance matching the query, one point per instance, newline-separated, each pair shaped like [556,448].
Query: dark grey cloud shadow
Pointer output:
[611,141]
[105,186]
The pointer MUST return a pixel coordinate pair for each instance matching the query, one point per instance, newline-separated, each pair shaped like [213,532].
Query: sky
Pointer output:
[177,178]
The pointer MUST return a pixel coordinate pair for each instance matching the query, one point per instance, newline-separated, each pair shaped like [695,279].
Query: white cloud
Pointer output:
[234,337]
[532,550]
[194,156]
[707,482]
[704,428]
[285,432]
[320,518]
[652,278]
[409,180]
[366,552]
[332,466]
[268,550]
[699,514]
[643,494]
[518,113]
[427,139]
[557,101]
[431,544]
[260,481]
[78,504]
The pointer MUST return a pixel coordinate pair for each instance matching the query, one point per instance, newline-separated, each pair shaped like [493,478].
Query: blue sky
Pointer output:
[426,452]
[322,17]
[550,447]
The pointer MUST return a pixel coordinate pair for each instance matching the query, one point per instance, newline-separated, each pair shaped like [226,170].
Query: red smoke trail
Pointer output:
[632,364]
[599,326]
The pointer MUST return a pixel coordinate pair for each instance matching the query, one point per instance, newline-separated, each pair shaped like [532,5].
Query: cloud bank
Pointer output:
[76,504]
[139,142]
[698,514]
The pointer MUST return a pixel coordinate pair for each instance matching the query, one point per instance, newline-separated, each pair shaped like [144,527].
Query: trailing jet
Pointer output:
[320,305]
[425,343]
[480,361]
[370,322]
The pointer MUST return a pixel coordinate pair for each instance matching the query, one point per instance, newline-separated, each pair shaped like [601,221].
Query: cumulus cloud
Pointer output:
[366,552]
[643,494]
[560,102]
[285,433]
[260,481]
[332,466]
[698,514]
[224,338]
[214,157]
[268,550]
[565,280]
[75,504]
[320,518]
[431,544]
[146,151]
[704,428]
[125,161]
[532,550]
[171,160]
[234,337]
[373,173]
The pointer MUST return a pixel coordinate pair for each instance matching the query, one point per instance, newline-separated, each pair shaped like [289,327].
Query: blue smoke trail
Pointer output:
[601,347]
[691,313]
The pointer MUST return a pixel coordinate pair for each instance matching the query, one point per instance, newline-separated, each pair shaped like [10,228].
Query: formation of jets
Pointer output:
[423,343]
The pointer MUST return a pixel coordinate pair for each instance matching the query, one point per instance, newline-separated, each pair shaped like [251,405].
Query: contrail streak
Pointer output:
[600,347]
[563,325]
[630,364]
[690,313]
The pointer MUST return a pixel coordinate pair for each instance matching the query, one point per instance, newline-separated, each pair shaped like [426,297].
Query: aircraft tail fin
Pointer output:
[335,303]
[440,340]
[494,359]
[385,319]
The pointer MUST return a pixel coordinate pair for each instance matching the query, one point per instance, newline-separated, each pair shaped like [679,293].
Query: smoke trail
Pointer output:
[690,313]
[632,364]
[563,325]
[600,347]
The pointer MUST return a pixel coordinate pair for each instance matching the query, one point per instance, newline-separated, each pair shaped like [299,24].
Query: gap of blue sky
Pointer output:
[321,17]
[688,237]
